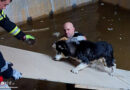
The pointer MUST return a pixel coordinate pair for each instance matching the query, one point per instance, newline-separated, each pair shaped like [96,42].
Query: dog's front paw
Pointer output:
[75,71]
[57,57]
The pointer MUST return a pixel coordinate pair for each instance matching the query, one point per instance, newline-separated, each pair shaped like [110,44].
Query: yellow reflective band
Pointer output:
[3,14]
[15,31]
[1,18]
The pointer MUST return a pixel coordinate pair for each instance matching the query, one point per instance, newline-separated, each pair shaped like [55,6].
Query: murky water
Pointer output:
[96,21]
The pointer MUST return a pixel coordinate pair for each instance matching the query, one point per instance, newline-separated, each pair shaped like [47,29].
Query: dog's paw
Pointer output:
[75,71]
[54,58]
[57,57]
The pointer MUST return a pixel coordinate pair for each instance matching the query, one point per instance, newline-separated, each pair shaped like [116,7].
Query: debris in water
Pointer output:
[41,21]
[99,39]
[82,9]
[119,19]
[57,34]
[109,20]
[115,13]
[2,38]
[103,17]
[112,20]
[37,30]
[102,4]
[120,38]
[109,29]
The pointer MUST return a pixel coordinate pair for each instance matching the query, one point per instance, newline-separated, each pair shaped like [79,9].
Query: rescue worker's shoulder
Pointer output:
[78,34]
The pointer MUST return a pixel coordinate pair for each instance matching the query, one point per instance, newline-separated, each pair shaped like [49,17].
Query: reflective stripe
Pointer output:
[2,15]
[15,31]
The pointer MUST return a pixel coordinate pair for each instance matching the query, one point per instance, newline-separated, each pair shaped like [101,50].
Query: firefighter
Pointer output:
[71,35]
[6,70]
[11,27]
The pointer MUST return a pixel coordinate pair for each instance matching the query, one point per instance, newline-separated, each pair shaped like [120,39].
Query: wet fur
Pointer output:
[87,51]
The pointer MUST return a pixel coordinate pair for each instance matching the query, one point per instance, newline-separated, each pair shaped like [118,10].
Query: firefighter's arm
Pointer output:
[15,30]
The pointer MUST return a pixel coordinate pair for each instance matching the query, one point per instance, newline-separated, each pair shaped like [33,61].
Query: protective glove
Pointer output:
[16,74]
[29,39]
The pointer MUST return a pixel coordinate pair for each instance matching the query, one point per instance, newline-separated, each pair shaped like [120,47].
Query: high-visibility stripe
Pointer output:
[2,15]
[15,31]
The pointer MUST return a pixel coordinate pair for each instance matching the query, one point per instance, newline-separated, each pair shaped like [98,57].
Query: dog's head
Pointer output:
[62,47]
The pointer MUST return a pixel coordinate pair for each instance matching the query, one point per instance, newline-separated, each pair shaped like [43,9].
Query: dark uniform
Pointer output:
[6,70]
[10,26]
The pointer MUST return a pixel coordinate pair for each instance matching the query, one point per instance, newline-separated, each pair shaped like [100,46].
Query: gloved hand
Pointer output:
[16,74]
[29,39]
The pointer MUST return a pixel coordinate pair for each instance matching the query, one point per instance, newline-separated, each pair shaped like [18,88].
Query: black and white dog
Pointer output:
[86,52]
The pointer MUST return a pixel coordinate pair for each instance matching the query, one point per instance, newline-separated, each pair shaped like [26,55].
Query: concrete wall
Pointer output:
[20,10]
[122,3]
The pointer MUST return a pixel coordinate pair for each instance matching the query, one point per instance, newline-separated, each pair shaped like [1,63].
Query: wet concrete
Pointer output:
[98,21]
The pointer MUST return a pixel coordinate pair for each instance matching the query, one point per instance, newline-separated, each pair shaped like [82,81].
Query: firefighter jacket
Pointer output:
[10,26]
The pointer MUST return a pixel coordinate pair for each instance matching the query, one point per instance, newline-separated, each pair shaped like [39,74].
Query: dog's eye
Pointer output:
[60,47]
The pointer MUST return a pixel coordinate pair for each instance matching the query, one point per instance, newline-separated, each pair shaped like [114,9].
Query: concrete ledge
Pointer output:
[39,66]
